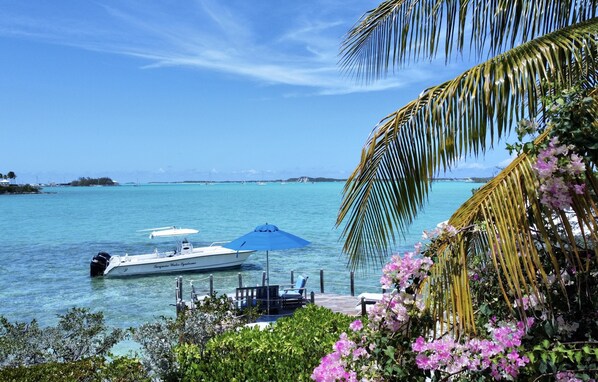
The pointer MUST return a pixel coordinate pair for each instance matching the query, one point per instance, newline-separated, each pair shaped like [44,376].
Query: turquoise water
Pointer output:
[49,240]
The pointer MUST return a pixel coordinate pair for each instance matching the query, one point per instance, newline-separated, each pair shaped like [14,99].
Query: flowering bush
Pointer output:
[356,356]
[541,326]
[394,342]
[560,172]
[368,351]
[500,354]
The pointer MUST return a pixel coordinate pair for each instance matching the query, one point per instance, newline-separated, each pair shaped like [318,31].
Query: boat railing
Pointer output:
[117,259]
[218,243]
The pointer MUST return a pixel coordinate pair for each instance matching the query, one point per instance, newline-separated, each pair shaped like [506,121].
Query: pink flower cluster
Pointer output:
[401,270]
[559,171]
[391,312]
[531,302]
[498,354]
[569,376]
[337,366]
[442,229]
[387,316]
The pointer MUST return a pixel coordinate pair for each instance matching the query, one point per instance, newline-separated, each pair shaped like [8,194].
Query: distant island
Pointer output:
[472,179]
[6,187]
[87,182]
[19,189]
[303,179]
[308,179]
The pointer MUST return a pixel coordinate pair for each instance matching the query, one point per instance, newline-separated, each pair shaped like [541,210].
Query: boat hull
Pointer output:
[201,259]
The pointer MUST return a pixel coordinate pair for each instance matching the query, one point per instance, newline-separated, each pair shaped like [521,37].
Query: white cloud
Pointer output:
[506,162]
[471,166]
[211,35]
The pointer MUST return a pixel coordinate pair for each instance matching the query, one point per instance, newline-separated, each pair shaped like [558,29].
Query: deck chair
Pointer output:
[296,294]
[262,295]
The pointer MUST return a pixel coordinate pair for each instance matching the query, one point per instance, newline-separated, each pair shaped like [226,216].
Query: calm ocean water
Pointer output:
[49,240]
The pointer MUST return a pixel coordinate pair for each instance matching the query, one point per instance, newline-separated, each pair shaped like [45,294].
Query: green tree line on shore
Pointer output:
[15,188]
[87,181]
[9,175]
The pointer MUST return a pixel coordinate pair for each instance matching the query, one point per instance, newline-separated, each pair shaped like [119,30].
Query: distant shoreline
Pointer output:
[307,180]
[15,189]
[304,179]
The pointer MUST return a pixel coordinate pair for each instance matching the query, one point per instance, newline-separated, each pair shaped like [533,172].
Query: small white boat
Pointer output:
[184,258]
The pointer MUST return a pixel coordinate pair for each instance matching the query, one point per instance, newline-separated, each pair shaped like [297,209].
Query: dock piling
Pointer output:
[180,305]
[321,281]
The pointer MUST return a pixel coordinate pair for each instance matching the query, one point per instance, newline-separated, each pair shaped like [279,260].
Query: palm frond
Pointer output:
[447,123]
[515,239]
[398,31]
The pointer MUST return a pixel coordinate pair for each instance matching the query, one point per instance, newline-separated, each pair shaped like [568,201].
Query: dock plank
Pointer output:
[346,304]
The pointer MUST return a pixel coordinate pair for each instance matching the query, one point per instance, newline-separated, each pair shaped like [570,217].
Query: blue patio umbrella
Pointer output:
[267,238]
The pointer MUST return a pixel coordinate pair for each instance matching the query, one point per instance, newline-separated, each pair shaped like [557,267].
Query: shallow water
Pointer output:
[49,240]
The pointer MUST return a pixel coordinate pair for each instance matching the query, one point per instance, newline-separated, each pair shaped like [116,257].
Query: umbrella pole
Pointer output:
[267,284]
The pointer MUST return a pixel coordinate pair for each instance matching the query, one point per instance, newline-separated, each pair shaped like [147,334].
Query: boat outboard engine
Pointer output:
[98,264]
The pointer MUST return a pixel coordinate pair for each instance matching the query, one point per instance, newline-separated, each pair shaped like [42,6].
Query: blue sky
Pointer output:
[194,90]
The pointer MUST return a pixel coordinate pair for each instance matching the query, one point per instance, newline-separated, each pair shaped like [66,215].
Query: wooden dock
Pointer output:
[345,304]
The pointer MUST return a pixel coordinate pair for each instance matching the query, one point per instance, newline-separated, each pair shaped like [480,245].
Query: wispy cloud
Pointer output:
[472,166]
[297,46]
[506,162]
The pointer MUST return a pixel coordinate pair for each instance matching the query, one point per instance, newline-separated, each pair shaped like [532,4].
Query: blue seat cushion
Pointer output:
[296,292]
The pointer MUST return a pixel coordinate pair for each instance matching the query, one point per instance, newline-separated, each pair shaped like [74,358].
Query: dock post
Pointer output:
[181,287]
[211,285]
[363,309]
[321,281]
[179,294]
[292,277]
[312,297]
[263,278]
[240,280]
[352,283]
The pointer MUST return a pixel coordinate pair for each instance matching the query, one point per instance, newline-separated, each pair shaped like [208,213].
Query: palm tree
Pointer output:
[11,175]
[538,48]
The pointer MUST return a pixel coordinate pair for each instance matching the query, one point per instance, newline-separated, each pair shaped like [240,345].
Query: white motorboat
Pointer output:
[183,259]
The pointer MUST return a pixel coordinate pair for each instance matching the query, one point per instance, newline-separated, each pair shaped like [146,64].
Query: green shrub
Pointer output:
[159,339]
[121,369]
[79,371]
[79,335]
[289,351]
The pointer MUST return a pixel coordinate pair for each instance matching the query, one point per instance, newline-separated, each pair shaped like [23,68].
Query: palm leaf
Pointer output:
[446,123]
[516,241]
[400,30]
